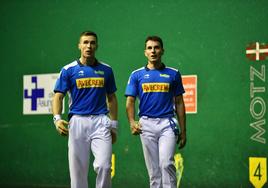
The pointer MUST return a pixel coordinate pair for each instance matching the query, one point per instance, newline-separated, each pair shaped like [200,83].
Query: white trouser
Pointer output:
[159,145]
[90,133]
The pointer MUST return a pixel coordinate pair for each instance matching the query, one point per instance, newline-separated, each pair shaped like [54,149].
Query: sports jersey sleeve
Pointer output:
[111,86]
[62,84]
[177,85]
[132,86]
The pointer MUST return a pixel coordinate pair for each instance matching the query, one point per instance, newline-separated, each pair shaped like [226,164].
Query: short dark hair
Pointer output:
[154,38]
[88,33]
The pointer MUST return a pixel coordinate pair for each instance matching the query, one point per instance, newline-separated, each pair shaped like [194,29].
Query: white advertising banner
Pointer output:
[38,93]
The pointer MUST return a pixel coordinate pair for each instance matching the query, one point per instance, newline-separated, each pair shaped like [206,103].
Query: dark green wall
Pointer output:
[207,38]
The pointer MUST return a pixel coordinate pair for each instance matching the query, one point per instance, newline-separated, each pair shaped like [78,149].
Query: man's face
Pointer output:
[153,51]
[88,46]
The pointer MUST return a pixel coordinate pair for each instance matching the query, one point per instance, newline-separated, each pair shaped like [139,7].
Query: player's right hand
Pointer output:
[135,128]
[114,135]
[61,127]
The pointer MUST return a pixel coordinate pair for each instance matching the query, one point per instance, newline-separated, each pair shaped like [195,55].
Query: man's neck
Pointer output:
[88,61]
[154,65]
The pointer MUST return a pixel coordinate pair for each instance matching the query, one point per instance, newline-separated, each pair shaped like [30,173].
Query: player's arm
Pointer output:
[180,112]
[113,109]
[113,106]
[130,109]
[57,109]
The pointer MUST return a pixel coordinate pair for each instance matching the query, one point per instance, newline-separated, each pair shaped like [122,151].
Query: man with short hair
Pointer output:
[89,83]
[159,89]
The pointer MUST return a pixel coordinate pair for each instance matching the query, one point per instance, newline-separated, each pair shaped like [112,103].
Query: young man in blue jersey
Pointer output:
[159,90]
[90,83]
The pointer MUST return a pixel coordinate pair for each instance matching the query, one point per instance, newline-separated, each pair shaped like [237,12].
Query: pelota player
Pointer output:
[159,89]
[89,82]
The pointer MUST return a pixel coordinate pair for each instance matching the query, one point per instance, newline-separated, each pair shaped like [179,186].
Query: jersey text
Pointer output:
[155,87]
[89,82]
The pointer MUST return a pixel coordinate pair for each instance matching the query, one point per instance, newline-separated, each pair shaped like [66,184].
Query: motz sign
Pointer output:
[257,107]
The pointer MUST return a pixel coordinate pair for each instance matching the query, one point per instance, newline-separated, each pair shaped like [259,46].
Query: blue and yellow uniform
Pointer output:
[155,90]
[89,125]
[87,86]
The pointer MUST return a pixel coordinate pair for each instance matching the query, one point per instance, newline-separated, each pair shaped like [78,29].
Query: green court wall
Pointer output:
[204,38]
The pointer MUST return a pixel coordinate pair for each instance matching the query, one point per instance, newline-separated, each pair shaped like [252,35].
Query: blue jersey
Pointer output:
[87,86]
[156,90]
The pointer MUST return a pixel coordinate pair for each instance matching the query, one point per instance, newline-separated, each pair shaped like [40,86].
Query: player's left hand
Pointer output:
[182,140]
[135,128]
[114,136]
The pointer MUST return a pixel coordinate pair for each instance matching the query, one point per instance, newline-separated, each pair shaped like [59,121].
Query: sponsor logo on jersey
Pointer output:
[155,87]
[146,76]
[81,73]
[99,72]
[89,82]
[164,75]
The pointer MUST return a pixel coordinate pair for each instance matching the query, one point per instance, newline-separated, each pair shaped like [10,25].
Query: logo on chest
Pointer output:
[89,82]
[99,72]
[146,76]
[81,73]
[155,87]
[164,75]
